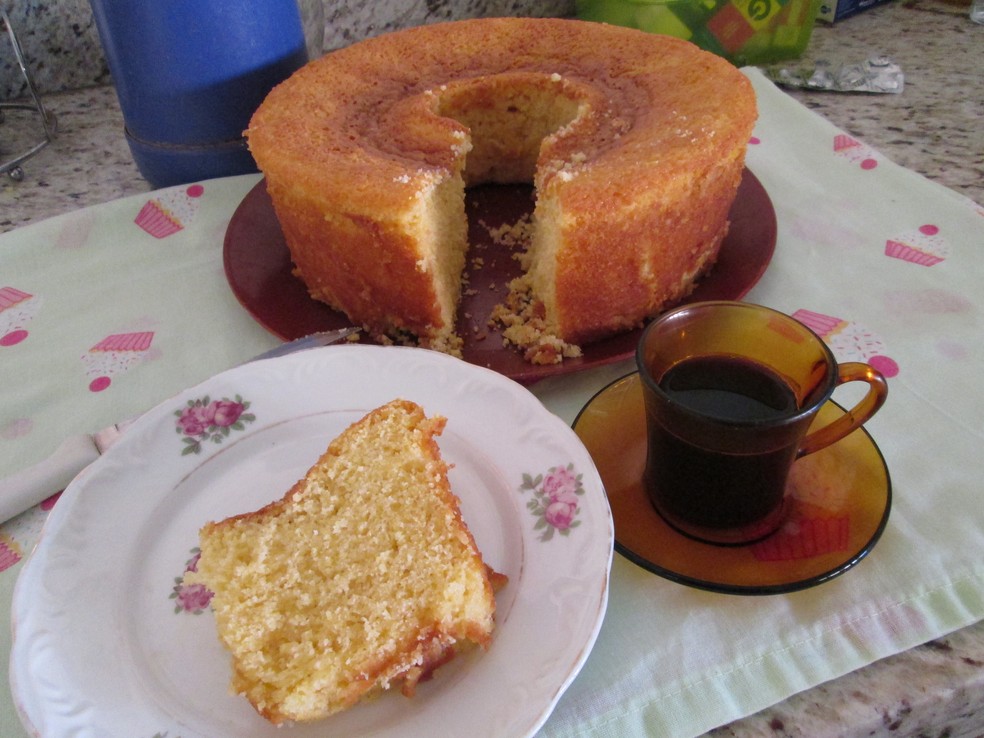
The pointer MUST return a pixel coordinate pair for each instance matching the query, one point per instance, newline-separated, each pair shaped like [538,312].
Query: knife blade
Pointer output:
[31,486]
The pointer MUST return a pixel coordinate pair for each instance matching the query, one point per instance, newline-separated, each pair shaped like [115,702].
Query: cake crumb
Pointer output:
[524,326]
[513,235]
[449,344]
[521,316]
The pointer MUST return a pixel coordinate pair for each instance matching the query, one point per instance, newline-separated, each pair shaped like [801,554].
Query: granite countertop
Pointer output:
[933,128]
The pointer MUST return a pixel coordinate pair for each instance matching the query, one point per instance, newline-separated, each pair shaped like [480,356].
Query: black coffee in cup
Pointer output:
[705,484]
[731,390]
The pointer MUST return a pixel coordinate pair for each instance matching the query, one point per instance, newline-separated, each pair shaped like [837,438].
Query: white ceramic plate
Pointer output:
[102,648]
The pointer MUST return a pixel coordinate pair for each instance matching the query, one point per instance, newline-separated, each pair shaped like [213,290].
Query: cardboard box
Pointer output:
[742,31]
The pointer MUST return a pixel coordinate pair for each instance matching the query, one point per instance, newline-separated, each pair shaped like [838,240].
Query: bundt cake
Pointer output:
[635,144]
[362,575]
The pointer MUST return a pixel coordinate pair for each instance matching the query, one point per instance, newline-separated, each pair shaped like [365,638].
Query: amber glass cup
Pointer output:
[731,390]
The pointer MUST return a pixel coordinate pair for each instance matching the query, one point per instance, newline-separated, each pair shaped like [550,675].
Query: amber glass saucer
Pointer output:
[840,499]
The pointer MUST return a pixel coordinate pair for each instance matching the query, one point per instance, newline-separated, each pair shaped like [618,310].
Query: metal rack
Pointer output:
[49,124]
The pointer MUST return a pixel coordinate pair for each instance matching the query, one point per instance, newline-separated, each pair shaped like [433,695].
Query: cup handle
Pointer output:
[852,371]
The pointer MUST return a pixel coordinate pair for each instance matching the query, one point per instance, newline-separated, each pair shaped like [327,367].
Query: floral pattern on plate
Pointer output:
[193,598]
[555,503]
[203,420]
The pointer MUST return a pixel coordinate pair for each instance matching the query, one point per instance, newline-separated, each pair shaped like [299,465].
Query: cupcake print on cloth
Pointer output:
[170,211]
[19,535]
[822,526]
[805,539]
[10,551]
[17,309]
[849,341]
[114,355]
[923,246]
[854,151]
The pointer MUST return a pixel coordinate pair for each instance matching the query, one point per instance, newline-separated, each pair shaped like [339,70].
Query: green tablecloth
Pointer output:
[109,310]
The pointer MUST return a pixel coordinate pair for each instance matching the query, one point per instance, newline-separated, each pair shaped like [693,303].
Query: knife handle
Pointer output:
[28,487]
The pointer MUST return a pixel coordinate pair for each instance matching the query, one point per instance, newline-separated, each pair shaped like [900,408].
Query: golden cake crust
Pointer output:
[643,141]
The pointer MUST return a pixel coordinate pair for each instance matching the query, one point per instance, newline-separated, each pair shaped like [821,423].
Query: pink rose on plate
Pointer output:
[225,412]
[554,503]
[204,420]
[192,563]
[194,420]
[193,598]
[560,481]
[561,511]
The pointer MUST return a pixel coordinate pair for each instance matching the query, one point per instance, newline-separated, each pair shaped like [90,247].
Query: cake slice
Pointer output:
[364,574]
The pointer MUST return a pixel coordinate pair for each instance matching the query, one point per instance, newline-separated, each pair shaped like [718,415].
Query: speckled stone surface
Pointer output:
[933,691]
[60,45]
[62,49]
[934,127]
[88,162]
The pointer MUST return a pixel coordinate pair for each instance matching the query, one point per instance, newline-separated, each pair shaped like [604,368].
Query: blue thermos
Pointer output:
[190,74]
